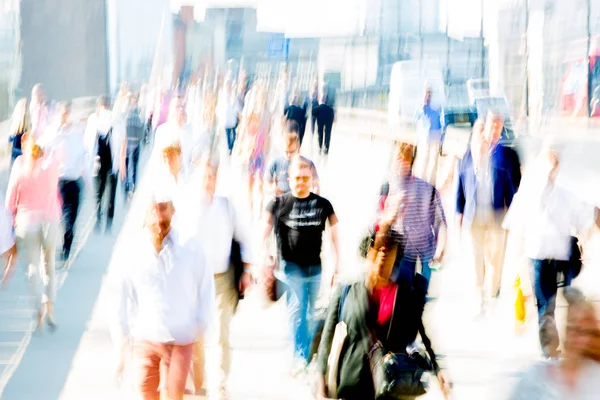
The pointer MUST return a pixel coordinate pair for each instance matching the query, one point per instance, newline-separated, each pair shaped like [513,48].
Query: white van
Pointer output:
[407,88]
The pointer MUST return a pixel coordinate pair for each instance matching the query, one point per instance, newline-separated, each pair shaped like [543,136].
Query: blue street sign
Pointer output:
[278,46]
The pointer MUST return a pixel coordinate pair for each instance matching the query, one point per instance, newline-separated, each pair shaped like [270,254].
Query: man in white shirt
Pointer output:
[175,129]
[228,111]
[217,226]
[106,144]
[165,298]
[65,141]
[548,215]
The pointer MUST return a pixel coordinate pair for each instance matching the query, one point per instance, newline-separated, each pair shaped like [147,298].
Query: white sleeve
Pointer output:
[241,233]
[206,290]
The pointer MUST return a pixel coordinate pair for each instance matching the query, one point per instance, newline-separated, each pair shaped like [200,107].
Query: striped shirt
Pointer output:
[423,216]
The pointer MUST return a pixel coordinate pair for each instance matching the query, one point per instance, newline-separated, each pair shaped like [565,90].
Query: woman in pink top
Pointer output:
[34,201]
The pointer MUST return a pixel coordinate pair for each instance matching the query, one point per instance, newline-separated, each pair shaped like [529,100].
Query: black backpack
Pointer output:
[104,151]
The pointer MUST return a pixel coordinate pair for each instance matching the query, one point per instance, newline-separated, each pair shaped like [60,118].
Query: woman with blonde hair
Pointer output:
[18,126]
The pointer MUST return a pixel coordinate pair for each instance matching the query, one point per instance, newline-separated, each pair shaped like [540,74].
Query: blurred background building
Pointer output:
[541,55]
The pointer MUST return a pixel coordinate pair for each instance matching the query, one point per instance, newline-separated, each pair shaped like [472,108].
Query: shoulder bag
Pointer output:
[396,375]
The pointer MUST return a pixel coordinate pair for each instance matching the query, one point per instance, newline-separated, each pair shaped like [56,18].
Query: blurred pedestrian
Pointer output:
[299,218]
[575,375]
[430,130]
[422,224]
[228,113]
[325,116]
[39,112]
[376,309]
[222,229]
[164,300]
[18,126]
[176,129]
[135,134]
[489,175]
[548,215]
[276,176]
[33,200]
[65,142]
[296,112]
[106,144]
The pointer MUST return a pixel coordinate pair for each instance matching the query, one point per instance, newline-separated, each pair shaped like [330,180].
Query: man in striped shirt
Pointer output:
[420,217]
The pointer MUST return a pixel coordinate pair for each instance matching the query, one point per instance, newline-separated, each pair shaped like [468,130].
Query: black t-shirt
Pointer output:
[300,226]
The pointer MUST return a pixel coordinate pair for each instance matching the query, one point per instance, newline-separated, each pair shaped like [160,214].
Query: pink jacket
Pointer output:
[32,194]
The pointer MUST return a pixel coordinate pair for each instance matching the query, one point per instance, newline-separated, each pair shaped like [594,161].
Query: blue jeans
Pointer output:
[545,286]
[303,285]
[405,270]
[231,134]
[131,168]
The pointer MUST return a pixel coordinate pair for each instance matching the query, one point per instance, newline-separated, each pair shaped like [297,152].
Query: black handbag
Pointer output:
[396,375]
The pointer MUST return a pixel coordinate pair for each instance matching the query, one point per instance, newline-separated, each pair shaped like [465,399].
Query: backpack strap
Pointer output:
[345,290]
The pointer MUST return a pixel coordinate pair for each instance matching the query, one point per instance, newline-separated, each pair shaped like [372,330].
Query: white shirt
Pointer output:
[228,109]
[67,143]
[484,212]
[7,236]
[167,297]
[100,125]
[215,224]
[549,215]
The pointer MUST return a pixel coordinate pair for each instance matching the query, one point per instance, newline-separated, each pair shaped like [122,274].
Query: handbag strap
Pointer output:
[393,312]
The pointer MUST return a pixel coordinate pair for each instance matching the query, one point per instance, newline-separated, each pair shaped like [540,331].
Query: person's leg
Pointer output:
[70,191]
[496,248]
[320,130]
[297,303]
[426,271]
[50,232]
[545,289]
[146,362]
[198,362]
[227,300]
[477,242]
[112,187]
[29,243]
[134,168]
[433,150]
[101,179]
[178,368]
[328,128]
[404,272]
[313,288]
[128,164]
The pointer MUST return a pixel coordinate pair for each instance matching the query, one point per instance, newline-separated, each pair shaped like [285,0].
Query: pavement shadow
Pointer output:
[48,360]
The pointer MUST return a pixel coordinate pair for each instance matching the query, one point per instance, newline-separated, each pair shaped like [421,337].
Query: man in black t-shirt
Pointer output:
[299,218]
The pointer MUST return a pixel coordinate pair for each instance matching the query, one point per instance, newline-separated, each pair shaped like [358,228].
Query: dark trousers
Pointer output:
[131,167]
[231,134]
[545,286]
[324,127]
[106,178]
[71,197]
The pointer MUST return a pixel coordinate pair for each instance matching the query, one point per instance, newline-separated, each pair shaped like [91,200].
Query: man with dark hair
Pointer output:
[299,218]
[325,116]
[297,113]
[277,174]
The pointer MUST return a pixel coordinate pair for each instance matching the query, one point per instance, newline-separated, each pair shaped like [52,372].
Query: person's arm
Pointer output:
[13,188]
[242,235]
[460,195]
[122,131]
[121,288]
[333,225]
[206,292]
[440,227]
[443,379]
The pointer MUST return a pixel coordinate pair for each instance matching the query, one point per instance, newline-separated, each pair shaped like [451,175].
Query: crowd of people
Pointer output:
[188,253]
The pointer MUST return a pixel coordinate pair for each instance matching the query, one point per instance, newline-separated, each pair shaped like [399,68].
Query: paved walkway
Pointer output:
[483,356]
